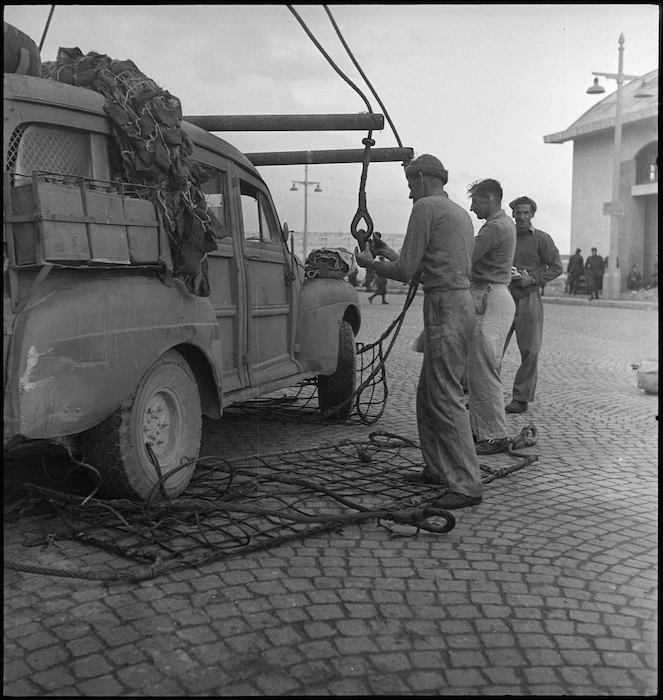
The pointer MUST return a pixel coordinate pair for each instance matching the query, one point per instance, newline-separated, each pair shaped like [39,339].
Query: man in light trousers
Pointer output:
[494,247]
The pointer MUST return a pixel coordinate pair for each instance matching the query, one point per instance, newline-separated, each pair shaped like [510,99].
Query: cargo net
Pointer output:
[235,508]
[367,403]
[154,151]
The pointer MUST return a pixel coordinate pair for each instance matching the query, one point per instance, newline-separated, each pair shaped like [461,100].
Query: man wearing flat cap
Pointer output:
[438,246]
[537,261]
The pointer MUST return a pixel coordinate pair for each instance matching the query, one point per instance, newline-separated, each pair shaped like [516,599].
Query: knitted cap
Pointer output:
[427,165]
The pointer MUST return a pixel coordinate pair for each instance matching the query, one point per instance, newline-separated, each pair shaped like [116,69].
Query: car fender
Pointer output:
[80,348]
[323,304]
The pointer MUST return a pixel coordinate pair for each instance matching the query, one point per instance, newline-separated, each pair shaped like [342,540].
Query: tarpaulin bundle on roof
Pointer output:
[155,151]
[329,262]
[21,54]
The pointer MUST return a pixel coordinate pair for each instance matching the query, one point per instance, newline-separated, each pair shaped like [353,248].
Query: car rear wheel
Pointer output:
[165,412]
[336,388]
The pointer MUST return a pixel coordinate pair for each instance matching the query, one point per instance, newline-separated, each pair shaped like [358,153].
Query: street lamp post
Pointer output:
[306,182]
[614,207]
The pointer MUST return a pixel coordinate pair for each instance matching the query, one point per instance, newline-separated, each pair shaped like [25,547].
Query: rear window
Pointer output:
[56,150]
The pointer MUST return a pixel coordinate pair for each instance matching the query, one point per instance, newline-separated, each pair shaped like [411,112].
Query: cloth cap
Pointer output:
[523,200]
[427,165]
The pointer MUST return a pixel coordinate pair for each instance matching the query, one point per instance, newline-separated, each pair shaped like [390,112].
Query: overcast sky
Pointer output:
[476,85]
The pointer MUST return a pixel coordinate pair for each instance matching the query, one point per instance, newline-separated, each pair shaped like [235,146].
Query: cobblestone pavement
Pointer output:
[549,587]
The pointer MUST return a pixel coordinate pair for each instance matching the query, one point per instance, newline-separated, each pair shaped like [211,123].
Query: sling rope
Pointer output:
[369,399]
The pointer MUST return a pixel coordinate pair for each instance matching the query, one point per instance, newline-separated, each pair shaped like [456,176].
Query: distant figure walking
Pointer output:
[369,279]
[380,287]
[594,267]
[574,270]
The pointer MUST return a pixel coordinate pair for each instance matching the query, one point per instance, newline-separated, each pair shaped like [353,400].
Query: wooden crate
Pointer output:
[81,223]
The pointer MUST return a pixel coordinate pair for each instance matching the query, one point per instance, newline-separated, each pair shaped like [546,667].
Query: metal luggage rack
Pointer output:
[128,189]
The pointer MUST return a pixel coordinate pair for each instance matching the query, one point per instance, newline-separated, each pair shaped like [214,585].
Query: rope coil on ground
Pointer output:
[234,508]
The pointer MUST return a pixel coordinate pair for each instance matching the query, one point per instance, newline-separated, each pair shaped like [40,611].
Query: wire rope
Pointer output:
[363,75]
[48,22]
[329,58]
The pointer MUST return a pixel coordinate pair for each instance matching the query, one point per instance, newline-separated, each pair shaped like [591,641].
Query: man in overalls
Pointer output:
[438,244]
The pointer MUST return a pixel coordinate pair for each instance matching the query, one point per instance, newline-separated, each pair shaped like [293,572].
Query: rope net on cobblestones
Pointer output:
[234,508]
[369,400]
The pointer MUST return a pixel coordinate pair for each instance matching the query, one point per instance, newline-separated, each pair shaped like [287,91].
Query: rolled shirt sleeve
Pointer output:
[553,263]
[537,253]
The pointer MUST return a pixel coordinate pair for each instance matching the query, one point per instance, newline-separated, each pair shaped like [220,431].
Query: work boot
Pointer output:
[453,501]
[491,446]
[421,478]
[516,407]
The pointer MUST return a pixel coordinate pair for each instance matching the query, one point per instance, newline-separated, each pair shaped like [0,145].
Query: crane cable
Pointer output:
[329,59]
[361,235]
[363,75]
[48,22]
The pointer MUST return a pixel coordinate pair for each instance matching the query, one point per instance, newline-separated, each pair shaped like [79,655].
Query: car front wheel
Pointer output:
[335,390]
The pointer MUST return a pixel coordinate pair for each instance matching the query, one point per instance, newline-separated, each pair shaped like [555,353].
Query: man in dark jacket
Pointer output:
[594,268]
[537,261]
[574,270]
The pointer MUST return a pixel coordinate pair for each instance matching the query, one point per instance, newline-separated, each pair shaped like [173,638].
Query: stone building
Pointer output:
[593,137]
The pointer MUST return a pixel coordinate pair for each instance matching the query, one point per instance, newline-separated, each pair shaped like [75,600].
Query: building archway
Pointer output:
[645,197]
[646,164]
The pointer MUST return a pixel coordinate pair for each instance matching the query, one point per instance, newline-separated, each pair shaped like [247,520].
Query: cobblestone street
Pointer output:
[549,587]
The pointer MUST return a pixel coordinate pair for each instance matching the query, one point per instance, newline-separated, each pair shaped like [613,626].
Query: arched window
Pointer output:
[646,164]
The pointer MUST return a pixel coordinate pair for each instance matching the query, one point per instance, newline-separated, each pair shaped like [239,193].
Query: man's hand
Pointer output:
[364,257]
[379,247]
[524,280]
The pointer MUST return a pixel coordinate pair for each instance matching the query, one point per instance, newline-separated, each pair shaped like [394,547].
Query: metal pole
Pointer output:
[305,211]
[614,276]
[287,122]
[344,155]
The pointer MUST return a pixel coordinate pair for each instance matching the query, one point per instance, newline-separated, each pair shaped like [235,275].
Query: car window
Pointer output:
[267,221]
[50,149]
[256,215]
[214,190]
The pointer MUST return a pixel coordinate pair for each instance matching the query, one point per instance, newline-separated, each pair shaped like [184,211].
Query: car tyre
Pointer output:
[165,412]
[336,388]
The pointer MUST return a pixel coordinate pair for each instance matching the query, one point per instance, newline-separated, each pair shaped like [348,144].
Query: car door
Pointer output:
[227,280]
[269,289]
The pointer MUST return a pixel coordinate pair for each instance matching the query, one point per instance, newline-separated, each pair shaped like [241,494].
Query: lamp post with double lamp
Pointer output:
[306,182]
[614,208]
